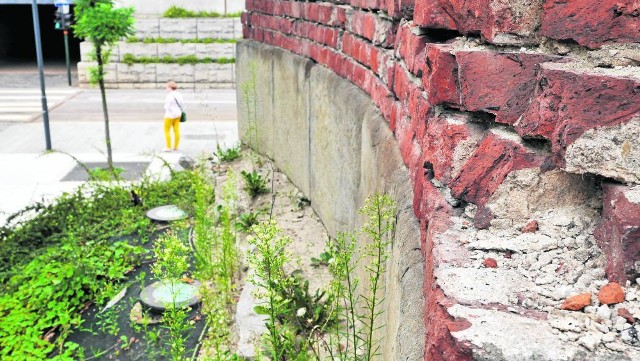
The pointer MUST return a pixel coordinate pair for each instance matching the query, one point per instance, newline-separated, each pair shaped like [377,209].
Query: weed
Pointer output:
[228,155]
[102,174]
[359,338]
[323,259]
[246,220]
[268,263]
[254,183]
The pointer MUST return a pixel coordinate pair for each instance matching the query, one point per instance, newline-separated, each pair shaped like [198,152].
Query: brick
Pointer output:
[371,26]
[450,140]
[419,110]
[361,50]
[401,82]
[498,21]
[441,80]
[368,4]
[283,25]
[496,156]
[318,33]
[618,234]
[320,13]
[400,8]
[498,83]
[430,14]
[412,48]
[592,23]
[569,101]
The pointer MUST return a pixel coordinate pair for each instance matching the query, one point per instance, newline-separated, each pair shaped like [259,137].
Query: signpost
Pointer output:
[45,109]
[63,21]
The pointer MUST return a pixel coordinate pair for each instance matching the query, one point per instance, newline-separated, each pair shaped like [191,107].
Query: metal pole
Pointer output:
[66,54]
[45,110]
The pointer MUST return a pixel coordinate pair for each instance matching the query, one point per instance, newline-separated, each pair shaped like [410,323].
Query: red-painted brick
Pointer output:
[371,26]
[400,8]
[568,102]
[592,23]
[431,15]
[401,82]
[368,4]
[502,22]
[361,50]
[444,134]
[494,159]
[412,48]
[619,232]
[498,83]
[441,80]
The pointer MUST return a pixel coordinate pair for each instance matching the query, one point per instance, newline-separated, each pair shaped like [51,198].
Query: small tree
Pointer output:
[103,25]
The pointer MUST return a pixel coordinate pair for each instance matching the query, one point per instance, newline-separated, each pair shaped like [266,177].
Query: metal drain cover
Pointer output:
[161,295]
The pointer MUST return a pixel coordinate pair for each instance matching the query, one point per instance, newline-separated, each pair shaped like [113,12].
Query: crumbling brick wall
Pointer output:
[510,116]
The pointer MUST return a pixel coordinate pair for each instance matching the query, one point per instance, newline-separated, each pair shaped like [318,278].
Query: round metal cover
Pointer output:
[166,213]
[162,294]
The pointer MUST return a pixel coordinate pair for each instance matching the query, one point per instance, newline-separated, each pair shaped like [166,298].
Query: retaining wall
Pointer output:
[156,75]
[518,123]
[158,7]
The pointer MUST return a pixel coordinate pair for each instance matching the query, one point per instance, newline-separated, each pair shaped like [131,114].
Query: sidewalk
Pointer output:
[27,175]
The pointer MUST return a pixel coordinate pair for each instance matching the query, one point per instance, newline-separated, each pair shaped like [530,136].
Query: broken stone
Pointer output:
[490,263]
[531,227]
[604,312]
[591,341]
[577,302]
[611,293]
[624,313]
[609,337]
[565,324]
[615,346]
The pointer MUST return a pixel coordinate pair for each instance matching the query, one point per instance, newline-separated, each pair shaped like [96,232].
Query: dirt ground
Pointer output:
[293,212]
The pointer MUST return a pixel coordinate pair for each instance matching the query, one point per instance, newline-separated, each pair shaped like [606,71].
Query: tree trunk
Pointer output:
[107,135]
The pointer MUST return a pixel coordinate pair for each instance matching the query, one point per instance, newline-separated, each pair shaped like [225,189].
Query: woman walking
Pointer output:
[173,107]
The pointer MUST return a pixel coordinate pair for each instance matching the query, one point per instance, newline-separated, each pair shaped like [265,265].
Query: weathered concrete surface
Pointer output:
[613,152]
[350,154]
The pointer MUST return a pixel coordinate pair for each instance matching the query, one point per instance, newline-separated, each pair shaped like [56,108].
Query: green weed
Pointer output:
[229,154]
[254,183]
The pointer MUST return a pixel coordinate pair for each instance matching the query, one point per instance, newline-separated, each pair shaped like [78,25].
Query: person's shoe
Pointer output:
[166,150]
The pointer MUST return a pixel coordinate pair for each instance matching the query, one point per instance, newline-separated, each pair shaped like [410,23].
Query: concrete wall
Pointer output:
[157,7]
[333,143]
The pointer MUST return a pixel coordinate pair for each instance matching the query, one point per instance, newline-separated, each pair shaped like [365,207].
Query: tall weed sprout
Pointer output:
[361,312]
[380,211]
[268,262]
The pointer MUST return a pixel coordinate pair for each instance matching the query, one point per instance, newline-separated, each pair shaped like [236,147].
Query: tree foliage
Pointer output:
[99,22]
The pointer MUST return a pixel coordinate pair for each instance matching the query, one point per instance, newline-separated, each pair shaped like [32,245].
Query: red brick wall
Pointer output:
[546,70]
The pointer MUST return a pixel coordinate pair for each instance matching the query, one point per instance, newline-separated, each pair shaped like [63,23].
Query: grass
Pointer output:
[179,12]
[130,59]
[183,41]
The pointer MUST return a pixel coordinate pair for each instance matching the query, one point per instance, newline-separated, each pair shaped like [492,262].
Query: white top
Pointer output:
[172,110]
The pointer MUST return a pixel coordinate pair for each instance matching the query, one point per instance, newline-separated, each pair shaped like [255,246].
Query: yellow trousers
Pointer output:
[168,124]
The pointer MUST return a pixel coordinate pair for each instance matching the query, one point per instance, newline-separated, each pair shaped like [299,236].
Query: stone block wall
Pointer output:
[519,124]
[155,75]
